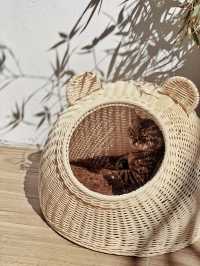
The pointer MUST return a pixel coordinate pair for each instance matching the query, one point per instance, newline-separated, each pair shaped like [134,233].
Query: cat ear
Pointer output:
[182,91]
[82,85]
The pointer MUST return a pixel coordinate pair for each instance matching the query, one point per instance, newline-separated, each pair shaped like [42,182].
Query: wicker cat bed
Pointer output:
[161,216]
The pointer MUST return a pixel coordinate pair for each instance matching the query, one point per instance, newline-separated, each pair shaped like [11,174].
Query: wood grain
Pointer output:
[25,238]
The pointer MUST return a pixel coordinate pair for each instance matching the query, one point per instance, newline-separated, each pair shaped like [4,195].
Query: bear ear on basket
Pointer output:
[81,86]
[182,91]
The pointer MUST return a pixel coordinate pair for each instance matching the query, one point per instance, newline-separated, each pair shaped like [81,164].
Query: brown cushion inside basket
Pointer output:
[100,140]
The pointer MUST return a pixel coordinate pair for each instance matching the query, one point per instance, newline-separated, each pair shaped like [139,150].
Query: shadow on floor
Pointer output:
[31,182]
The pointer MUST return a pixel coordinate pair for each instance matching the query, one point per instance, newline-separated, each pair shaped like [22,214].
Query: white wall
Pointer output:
[29,28]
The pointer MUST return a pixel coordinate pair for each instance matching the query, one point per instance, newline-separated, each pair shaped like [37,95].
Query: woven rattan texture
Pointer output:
[162,216]
[104,132]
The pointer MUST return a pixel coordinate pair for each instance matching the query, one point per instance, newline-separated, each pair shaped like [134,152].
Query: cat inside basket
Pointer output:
[126,172]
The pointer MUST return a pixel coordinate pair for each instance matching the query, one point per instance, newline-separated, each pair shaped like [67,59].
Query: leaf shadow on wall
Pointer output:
[148,49]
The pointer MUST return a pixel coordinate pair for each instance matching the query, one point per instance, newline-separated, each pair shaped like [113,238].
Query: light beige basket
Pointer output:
[161,216]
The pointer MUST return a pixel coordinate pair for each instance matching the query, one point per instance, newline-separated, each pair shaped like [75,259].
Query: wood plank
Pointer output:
[26,239]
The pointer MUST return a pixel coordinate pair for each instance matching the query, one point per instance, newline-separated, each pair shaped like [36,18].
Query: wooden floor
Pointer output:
[25,238]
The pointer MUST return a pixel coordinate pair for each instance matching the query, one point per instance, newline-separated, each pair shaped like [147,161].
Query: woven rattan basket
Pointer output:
[161,216]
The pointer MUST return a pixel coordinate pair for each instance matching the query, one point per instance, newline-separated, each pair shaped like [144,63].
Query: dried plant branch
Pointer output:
[191,21]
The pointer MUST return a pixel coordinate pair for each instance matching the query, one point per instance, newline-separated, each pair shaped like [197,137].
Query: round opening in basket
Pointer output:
[116,148]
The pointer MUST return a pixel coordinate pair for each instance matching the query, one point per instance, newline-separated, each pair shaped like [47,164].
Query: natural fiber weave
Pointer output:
[163,215]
